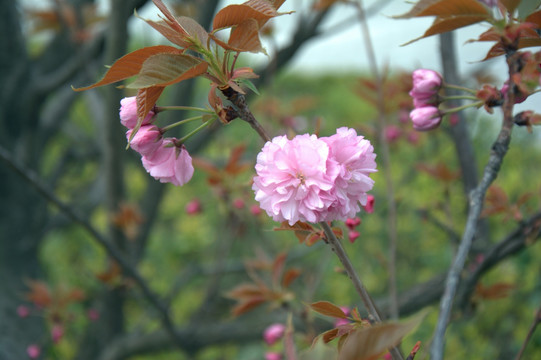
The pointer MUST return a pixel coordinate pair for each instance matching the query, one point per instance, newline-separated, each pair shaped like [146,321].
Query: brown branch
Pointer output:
[535,322]
[499,149]
[32,178]
[244,113]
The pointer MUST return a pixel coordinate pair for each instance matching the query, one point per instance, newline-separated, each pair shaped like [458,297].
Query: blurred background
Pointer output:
[70,191]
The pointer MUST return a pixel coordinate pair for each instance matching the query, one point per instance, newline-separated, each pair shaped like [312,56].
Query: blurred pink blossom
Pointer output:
[273,333]
[425,118]
[169,163]
[353,222]
[193,207]
[57,332]
[128,113]
[392,133]
[255,210]
[23,311]
[93,314]
[369,207]
[340,322]
[238,203]
[353,235]
[273,356]
[147,139]
[33,351]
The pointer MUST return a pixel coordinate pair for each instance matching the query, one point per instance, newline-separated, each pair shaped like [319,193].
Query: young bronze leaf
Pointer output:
[130,65]
[446,8]
[328,309]
[170,19]
[146,99]
[510,5]
[167,69]
[370,342]
[535,18]
[290,276]
[245,37]
[169,33]
[259,10]
[443,25]
[194,29]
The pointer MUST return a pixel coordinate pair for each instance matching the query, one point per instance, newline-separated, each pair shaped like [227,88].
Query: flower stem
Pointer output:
[459,97]
[196,130]
[459,108]
[164,108]
[169,127]
[462,88]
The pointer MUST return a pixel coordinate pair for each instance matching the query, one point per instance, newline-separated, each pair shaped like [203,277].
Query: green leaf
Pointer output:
[167,69]
[328,309]
[250,85]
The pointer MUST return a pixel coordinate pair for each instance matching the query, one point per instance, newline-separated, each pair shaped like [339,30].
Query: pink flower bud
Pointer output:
[369,207]
[169,163]
[392,133]
[93,314]
[426,82]
[238,203]
[273,333]
[425,118]
[128,113]
[340,322]
[193,207]
[255,210]
[353,235]
[147,139]
[273,356]
[23,311]
[413,138]
[57,332]
[33,351]
[353,222]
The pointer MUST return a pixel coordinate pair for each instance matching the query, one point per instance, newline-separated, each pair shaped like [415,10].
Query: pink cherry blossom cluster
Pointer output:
[163,158]
[313,179]
[426,84]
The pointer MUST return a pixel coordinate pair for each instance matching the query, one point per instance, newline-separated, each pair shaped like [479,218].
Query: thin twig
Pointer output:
[535,322]
[32,178]
[477,196]
[369,304]
[386,158]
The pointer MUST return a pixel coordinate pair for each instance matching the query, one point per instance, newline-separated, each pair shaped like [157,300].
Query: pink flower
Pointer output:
[193,207]
[238,203]
[294,179]
[147,139]
[352,223]
[93,314]
[57,332]
[425,118]
[255,210]
[169,163]
[369,207]
[33,351]
[425,82]
[273,356]
[356,160]
[128,113]
[353,235]
[392,133]
[273,333]
[23,311]
[340,322]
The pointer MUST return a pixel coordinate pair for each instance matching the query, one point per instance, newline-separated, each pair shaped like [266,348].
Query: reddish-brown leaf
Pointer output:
[146,99]
[39,293]
[130,64]
[534,18]
[370,342]
[169,33]
[259,10]
[215,175]
[440,171]
[290,276]
[510,5]
[446,8]
[278,267]
[247,305]
[245,291]
[245,37]
[300,228]
[496,291]
[329,335]
[168,69]
[328,309]
[234,166]
[443,25]
[169,18]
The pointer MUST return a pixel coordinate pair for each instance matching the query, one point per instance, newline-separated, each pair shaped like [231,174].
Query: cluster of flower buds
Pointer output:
[163,158]
[313,179]
[426,85]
